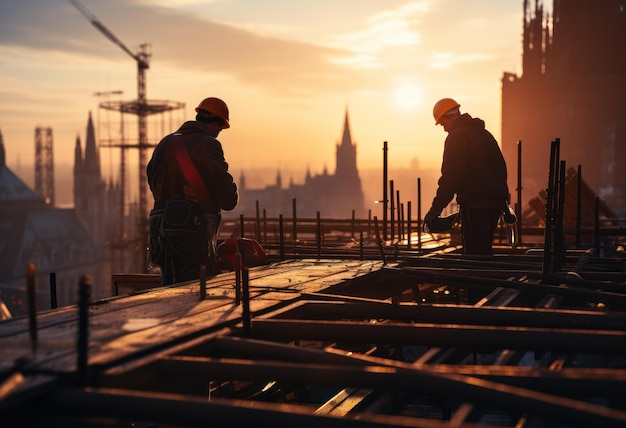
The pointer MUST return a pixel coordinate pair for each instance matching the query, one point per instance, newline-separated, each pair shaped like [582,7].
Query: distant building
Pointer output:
[98,206]
[333,195]
[572,87]
[100,209]
[32,231]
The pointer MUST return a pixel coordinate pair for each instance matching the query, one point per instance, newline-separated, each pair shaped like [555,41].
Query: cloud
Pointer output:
[443,60]
[179,39]
[391,28]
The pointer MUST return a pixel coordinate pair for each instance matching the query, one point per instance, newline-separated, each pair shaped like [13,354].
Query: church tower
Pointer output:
[89,188]
[349,193]
[346,154]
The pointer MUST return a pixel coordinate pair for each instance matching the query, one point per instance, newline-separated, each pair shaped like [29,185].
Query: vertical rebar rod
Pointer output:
[53,290]
[318,235]
[237,268]
[400,216]
[519,193]
[257,231]
[385,197]
[379,241]
[294,232]
[84,300]
[549,211]
[281,237]
[419,214]
[203,282]
[264,226]
[392,209]
[559,240]
[579,204]
[246,302]
[408,225]
[353,224]
[361,245]
[596,225]
[241,247]
[32,305]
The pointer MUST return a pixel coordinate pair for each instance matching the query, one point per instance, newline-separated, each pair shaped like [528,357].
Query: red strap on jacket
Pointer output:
[191,173]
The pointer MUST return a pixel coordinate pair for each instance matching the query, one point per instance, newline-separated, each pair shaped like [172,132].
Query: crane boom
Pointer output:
[104,30]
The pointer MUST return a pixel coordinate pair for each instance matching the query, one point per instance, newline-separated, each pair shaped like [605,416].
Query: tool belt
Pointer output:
[184,228]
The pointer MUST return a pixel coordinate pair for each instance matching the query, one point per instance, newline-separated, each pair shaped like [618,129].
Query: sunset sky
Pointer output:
[287,69]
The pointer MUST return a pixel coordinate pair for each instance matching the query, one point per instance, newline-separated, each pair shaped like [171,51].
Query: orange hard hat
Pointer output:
[216,107]
[442,107]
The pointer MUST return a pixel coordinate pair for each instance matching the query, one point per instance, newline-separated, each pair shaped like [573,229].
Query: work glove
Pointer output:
[428,219]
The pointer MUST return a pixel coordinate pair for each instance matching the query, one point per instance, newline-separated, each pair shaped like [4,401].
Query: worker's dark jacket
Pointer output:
[166,179]
[182,225]
[473,167]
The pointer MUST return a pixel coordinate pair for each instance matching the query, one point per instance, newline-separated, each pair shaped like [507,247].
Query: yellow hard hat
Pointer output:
[216,107]
[443,106]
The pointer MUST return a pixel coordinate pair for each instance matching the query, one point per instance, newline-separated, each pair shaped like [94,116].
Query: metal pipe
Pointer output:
[519,193]
[84,300]
[559,236]
[264,226]
[32,305]
[318,236]
[237,267]
[258,222]
[547,247]
[379,241]
[408,225]
[53,290]
[596,224]
[203,282]
[579,204]
[246,318]
[294,232]
[392,209]
[361,245]
[281,233]
[385,198]
[419,215]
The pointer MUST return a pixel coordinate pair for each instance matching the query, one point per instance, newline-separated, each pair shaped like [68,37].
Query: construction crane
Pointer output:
[142,57]
[141,107]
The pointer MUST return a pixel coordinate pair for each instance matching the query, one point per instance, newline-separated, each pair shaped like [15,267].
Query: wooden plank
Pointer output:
[450,335]
[134,281]
[148,320]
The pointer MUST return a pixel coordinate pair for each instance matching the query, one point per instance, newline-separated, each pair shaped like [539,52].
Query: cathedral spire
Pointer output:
[346,139]
[92,158]
[346,152]
[78,156]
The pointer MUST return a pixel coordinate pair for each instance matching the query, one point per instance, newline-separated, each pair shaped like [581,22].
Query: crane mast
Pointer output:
[142,108]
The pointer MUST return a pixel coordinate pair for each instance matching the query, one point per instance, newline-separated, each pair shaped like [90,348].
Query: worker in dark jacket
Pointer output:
[191,185]
[474,169]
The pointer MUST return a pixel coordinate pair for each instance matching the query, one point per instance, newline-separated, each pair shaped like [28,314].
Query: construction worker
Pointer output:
[474,169]
[190,182]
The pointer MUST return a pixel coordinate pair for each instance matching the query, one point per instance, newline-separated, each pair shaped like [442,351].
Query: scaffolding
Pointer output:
[44,164]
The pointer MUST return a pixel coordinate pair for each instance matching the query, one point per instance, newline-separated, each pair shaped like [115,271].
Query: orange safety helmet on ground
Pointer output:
[216,107]
[443,106]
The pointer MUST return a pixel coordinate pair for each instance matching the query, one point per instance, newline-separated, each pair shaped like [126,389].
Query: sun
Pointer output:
[408,96]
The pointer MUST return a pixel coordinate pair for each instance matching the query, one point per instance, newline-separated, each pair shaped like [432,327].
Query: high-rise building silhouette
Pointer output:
[572,87]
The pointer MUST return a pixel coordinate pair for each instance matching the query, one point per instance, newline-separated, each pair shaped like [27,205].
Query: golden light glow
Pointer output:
[408,96]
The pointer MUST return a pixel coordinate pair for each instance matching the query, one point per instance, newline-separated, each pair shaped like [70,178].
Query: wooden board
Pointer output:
[150,320]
